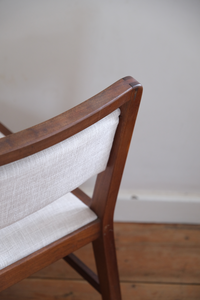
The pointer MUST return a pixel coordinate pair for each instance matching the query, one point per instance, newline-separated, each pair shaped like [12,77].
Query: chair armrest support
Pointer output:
[4,129]
[82,196]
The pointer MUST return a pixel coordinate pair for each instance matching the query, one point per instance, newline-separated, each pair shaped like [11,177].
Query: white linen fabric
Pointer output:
[43,227]
[31,183]
[35,206]
[1,135]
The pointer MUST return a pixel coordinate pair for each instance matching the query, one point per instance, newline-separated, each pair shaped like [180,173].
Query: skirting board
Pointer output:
[155,209]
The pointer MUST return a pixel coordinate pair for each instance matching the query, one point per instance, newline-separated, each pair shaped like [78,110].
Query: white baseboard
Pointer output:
[154,207]
[149,208]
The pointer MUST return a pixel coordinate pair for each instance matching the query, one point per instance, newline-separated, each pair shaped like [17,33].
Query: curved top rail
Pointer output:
[34,139]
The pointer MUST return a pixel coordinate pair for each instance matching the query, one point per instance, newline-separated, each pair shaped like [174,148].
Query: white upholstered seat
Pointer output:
[1,135]
[43,227]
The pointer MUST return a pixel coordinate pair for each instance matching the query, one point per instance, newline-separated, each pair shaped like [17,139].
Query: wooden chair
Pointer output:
[34,150]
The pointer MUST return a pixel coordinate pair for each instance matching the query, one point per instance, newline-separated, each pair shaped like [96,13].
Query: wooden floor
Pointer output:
[155,262]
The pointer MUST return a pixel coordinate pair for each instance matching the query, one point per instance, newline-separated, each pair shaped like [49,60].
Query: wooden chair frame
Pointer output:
[126,95]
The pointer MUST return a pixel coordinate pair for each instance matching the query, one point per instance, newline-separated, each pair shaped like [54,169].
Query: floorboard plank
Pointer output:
[156,261]
[50,289]
[146,253]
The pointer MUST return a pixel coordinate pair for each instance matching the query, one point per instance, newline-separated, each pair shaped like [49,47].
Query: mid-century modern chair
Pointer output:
[44,216]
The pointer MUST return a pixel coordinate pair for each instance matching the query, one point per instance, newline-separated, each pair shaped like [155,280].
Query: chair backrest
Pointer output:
[39,163]
[29,184]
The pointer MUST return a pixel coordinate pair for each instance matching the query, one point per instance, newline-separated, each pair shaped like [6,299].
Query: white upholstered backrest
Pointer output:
[31,183]
[1,135]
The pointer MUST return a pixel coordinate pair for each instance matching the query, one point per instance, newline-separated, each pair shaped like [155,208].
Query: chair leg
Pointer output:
[106,262]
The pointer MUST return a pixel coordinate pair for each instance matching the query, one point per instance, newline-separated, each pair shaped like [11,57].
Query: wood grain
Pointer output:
[51,289]
[146,253]
[48,254]
[55,130]
[159,262]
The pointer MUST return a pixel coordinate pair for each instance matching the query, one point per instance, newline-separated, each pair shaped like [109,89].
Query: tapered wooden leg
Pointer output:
[105,256]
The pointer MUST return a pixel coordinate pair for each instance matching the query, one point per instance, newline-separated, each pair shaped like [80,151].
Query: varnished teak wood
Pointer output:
[156,261]
[4,130]
[83,270]
[48,133]
[49,254]
[126,95]
[159,253]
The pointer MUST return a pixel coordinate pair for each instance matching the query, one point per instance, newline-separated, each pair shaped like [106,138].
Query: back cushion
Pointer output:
[31,183]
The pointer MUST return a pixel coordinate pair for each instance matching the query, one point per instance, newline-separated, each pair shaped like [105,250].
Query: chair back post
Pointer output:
[108,182]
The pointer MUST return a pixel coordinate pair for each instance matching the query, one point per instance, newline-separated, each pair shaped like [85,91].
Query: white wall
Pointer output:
[55,54]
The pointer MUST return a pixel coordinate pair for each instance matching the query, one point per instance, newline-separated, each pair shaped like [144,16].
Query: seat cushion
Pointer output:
[43,227]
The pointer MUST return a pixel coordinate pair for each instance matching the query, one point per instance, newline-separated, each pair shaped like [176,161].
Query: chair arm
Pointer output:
[48,133]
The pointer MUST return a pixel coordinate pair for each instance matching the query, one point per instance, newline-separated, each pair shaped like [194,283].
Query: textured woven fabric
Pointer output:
[1,135]
[43,227]
[31,183]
